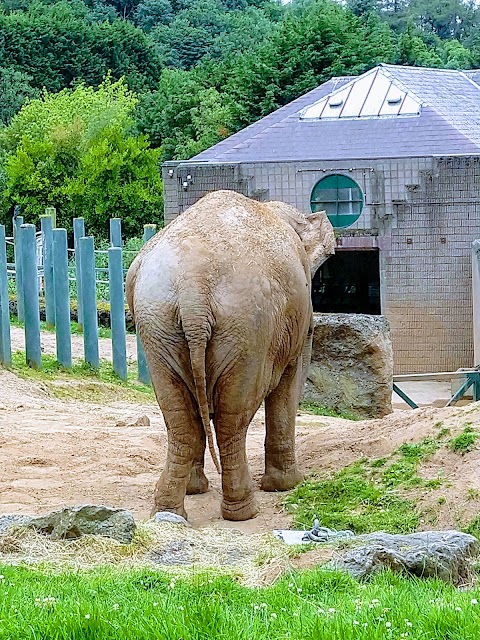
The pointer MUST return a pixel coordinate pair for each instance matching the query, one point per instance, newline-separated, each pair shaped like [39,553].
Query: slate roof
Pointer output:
[448,124]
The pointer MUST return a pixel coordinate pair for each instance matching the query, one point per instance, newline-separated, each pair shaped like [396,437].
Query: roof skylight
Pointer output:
[372,95]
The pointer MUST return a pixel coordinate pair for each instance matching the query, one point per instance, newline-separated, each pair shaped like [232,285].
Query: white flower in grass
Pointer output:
[115,606]
[408,623]
[2,577]
[473,601]
[375,601]
[87,616]
[290,585]
[273,616]
[355,622]
[388,624]
[365,625]
[332,610]
[299,589]
[155,604]
[458,608]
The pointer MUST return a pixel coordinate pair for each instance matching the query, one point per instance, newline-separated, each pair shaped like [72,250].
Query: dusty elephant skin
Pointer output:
[221,300]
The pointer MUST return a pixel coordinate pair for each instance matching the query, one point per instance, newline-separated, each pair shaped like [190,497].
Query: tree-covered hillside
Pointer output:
[194,71]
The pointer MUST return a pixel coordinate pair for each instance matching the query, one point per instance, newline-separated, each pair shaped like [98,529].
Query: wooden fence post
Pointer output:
[149,231]
[116,232]
[62,298]
[28,247]
[78,232]
[52,213]
[117,312]
[46,225]
[17,223]
[89,300]
[5,341]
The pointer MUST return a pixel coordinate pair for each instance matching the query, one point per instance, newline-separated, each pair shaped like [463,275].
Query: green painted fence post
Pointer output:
[28,247]
[149,231]
[5,341]
[17,223]
[62,298]
[46,224]
[116,232]
[89,300]
[78,232]
[117,312]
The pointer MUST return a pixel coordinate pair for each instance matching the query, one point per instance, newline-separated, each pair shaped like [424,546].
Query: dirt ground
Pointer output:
[60,452]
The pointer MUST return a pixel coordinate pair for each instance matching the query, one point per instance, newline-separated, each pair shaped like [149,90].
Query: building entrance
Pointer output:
[348,282]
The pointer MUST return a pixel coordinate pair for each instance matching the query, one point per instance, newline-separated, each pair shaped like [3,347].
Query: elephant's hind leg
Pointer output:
[281,406]
[198,482]
[186,441]
[238,498]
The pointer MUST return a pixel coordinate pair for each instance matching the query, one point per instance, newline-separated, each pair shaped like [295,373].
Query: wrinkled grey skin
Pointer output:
[221,301]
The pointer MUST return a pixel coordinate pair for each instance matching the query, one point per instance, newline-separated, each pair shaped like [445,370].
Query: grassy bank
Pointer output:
[82,381]
[145,605]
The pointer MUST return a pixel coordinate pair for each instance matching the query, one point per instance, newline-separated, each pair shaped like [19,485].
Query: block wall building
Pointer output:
[393,156]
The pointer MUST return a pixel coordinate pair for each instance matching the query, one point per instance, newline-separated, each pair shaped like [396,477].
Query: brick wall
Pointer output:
[425,213]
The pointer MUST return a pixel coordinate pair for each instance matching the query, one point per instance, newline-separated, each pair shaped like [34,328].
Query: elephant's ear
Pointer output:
[318,239]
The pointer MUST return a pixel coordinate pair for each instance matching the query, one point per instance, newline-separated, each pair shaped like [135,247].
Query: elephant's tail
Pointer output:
[197,346]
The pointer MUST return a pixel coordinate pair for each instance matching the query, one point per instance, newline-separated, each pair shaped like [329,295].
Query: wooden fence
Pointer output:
[41,261]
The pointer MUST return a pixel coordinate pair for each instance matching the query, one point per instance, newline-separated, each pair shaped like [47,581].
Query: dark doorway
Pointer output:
[348,282]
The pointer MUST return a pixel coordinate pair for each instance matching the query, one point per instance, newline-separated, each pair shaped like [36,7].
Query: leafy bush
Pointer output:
[74,150]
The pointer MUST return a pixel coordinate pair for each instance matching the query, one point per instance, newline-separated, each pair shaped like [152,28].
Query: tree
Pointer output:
[74,150]
[150,13]
[15,88]
[447,19]
[57,46]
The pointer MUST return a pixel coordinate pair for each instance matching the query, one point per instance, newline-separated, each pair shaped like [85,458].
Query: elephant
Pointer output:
[221,300]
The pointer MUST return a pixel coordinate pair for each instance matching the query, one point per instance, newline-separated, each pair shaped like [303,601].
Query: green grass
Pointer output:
[103,332]
[351,499]
[145,605]
[473,527]
[321,410]
[367,495]
[465,441]
[96,384]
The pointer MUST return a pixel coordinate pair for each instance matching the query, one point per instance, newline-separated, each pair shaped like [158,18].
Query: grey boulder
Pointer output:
[351,367]
[72,522]
[429,554]
[10,520]
[168,516]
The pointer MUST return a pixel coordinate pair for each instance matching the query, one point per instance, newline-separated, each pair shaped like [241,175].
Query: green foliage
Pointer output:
[321,410]
[57,45]
[465,441]
[74,150]
[141,604]
[15,89]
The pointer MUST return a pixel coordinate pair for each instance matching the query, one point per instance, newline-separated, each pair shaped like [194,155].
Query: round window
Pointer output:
[340,197]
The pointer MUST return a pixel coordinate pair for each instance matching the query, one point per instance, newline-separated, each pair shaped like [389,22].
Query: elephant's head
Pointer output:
[314,230]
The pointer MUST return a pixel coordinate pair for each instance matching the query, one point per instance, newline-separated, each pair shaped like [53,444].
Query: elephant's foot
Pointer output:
[278,480]
[166,500]
[243,510]
[198,482]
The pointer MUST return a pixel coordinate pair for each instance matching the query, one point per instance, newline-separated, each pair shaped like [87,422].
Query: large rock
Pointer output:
[72,522]
[430,554]
[352,364]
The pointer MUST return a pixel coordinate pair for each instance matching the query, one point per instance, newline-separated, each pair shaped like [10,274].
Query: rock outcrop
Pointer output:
[352,364]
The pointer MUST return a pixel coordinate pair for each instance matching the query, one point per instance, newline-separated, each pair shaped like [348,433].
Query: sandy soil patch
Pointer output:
[61,452]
